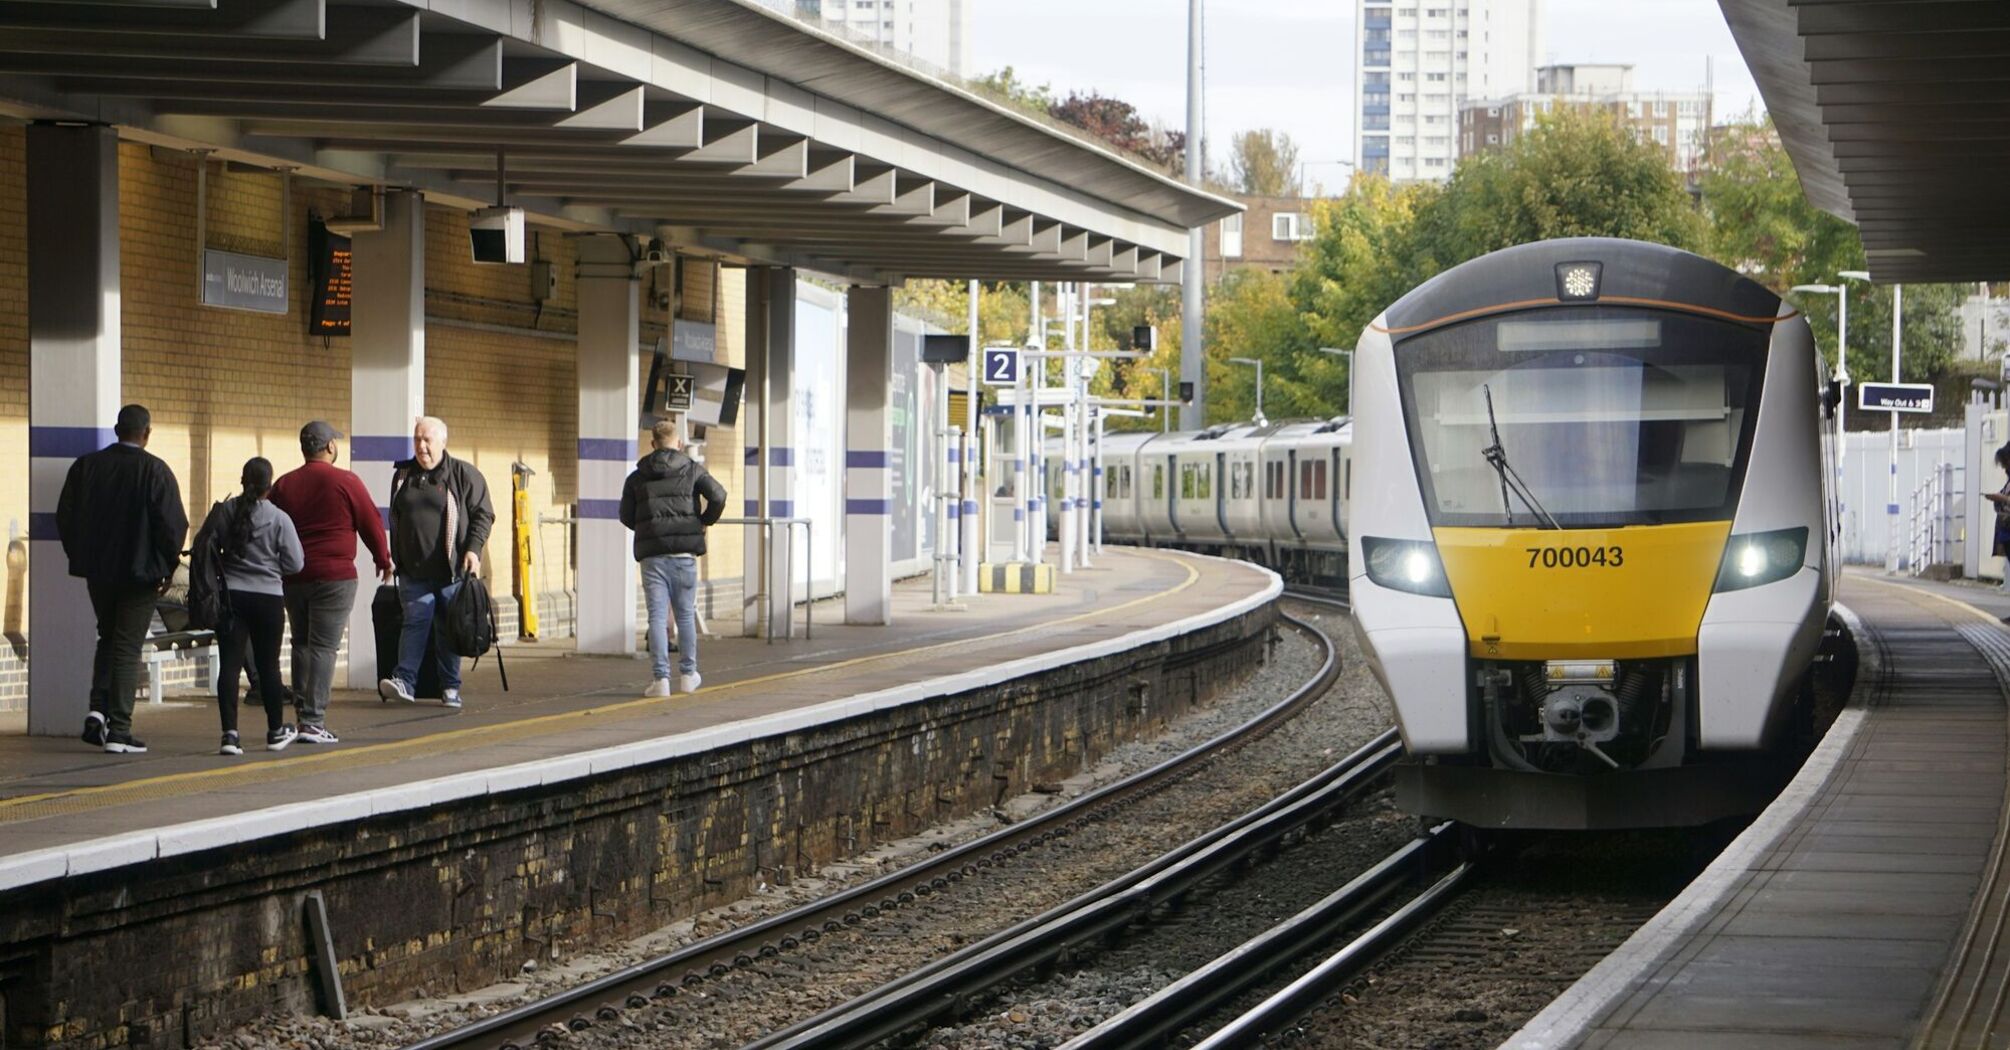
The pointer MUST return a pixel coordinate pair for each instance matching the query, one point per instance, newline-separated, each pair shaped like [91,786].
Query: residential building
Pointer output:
[1419,60]
[936,32]
[1677,122]
[1265,236]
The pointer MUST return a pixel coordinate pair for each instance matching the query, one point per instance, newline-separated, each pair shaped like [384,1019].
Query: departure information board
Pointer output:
[329,261]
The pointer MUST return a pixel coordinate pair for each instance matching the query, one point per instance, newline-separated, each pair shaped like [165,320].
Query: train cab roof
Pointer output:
[1581,271]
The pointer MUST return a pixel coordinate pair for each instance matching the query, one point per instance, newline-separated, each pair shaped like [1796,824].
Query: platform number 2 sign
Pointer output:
[1001,365]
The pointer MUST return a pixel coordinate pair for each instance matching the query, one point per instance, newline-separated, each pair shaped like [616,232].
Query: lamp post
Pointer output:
[1897,345]
[1841,292]
[1259,382]
[1349,355]
[1165,398]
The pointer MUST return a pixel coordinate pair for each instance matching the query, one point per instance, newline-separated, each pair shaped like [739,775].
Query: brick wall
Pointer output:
[225,385]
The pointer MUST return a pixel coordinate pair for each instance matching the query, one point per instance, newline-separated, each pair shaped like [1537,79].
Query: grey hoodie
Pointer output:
[272,552]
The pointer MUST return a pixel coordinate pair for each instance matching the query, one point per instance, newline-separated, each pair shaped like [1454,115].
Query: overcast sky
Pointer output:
[1289,64]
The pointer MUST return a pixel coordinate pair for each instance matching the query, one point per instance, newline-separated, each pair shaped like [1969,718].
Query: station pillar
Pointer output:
[73,392]
[868,474]
[609,402]
[387,383]
[769,441]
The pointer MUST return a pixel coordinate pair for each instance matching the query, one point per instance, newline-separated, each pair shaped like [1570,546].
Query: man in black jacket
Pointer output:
[121,521]
[440,521]
[669,501]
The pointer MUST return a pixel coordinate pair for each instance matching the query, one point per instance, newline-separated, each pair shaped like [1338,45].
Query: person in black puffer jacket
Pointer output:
[669,501]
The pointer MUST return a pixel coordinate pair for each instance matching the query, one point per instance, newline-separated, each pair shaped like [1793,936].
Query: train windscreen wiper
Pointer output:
[1497,457]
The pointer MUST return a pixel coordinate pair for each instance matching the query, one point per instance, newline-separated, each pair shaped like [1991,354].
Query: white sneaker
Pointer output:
[278,739]
[658,687]
[451,698]
[393,689]
[312,734]
[689,683]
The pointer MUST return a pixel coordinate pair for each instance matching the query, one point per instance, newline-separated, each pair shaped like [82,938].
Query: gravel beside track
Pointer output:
[731,1010]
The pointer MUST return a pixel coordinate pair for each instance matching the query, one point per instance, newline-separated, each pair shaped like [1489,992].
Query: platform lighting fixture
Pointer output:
[1259,383]
[1349,355]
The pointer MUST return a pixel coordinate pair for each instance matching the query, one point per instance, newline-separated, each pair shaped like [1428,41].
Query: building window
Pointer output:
[1661,134]
[1231,237]
[1434,78]
[1290,226]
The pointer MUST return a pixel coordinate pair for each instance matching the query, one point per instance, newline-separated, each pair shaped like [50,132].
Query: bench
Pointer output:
[165,645]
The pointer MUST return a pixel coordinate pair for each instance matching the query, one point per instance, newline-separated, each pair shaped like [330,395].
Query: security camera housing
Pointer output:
[496,235]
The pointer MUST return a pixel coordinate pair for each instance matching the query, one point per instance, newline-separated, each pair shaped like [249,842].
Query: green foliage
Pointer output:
[1264,163]
[1005,86]
[1144,304]
[1003,314]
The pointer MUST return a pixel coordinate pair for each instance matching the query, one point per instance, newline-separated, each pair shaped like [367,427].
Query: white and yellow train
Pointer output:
[1598,558]
[1585,521]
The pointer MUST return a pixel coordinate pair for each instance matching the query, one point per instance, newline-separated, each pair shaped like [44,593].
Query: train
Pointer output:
[1594,554]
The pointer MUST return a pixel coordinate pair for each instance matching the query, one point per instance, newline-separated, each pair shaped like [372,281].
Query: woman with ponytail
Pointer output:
[259,547]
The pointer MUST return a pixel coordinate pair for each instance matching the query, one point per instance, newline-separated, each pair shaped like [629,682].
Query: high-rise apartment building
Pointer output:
[1678,122]
[935,31]
[1421,59]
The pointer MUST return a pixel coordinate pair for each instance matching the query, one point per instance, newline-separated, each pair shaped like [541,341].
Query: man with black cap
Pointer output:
[330,507]
[121,521]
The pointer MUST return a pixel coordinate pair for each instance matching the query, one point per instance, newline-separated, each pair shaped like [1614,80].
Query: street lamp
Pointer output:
[1891,504]
[1841,292]
[1259,383]
[1165,398]
[1349,355]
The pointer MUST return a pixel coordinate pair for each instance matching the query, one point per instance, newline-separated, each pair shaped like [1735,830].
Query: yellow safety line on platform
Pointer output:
[178,784]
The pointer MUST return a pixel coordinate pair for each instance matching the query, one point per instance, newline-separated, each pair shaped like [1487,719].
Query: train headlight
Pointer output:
[1405,565]
[1762,557]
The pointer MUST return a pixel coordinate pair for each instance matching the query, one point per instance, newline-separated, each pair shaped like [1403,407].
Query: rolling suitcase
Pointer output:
[387,619]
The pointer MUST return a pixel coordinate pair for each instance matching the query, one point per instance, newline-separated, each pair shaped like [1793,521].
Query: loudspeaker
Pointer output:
[495,235]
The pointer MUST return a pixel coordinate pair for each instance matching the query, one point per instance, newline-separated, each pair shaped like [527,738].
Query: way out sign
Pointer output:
[1895,397]
[1001,365]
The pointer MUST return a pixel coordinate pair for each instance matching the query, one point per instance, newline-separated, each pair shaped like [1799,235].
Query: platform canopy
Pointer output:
[717,125]
[1897,116]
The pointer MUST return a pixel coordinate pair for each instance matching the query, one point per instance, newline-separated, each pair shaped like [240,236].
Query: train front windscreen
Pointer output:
[1581,417]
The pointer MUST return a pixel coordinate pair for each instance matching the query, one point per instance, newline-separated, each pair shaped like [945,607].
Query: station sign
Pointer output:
[677,395]
[1895,397]
[244,282]
[1001,365]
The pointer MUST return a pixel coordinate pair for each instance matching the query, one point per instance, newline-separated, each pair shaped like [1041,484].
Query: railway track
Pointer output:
[604,1001]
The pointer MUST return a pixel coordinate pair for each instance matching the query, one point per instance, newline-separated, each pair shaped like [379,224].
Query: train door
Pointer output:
[1221,490]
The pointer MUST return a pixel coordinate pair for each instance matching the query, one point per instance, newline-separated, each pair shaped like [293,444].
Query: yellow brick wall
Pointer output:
[13,378]
[225,385]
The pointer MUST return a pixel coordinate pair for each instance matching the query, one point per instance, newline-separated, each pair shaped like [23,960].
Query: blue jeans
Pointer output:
[670,584]
[421,598]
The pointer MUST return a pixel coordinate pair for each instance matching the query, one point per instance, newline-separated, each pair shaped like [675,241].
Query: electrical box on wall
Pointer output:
[543,281]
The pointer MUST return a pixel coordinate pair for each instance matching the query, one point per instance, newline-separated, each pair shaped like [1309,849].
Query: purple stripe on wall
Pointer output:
[781,508]
[779,456]
[619,450]
[875,507]
[970,506]
[952,512]
[42,526]
[864,457]
[1018,515]
[67,442]
[600,509]
[363,449]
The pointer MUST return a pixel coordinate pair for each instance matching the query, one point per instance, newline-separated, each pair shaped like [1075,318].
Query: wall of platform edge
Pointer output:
[458,896]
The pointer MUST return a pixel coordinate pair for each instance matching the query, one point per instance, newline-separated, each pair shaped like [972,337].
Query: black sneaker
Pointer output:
[277,739]
[230,746]
[124,744]
[94,729]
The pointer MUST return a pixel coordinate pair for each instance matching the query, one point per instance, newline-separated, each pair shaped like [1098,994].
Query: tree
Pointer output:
[1117,122]
[1003,314]
[1143,304]
[1762,224]
[1264,163]
[1005,86]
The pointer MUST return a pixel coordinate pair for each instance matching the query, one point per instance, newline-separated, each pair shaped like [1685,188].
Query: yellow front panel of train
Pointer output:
[1550,594]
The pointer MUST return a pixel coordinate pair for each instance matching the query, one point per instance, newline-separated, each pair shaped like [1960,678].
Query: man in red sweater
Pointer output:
[330,507]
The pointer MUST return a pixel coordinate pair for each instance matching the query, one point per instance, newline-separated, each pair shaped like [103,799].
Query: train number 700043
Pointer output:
[1576,557]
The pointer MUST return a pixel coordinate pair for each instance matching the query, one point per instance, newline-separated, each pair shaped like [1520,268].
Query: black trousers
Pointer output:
[257,621]
[123,611]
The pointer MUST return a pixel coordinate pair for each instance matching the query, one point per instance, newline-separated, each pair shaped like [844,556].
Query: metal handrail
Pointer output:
[767,527]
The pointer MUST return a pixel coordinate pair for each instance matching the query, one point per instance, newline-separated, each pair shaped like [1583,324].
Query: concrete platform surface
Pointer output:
[1865,907]
[67,808]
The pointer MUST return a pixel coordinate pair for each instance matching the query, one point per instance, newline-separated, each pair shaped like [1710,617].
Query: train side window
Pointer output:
[1186,481]
[1319,480]
[1305,480]
[1204,483]
[1158,482]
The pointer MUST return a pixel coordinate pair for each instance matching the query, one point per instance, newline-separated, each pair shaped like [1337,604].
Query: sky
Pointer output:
[1289,64]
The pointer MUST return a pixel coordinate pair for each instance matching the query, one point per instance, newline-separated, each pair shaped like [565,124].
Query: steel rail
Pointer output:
[941,987]
[1151,1022]
[1321,981]
[603,999]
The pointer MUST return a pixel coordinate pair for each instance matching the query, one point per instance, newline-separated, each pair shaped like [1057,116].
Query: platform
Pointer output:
[66,807]
[1863,909]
